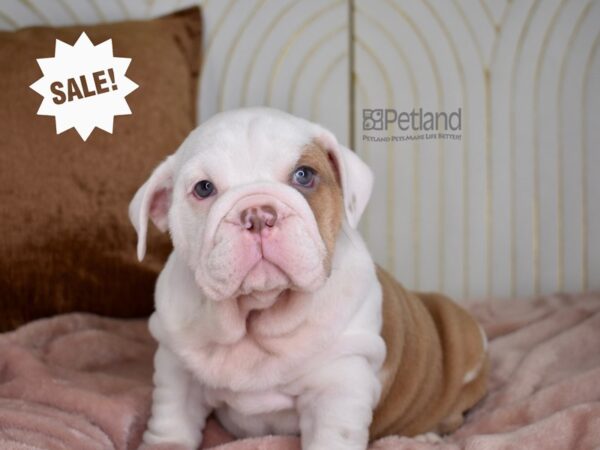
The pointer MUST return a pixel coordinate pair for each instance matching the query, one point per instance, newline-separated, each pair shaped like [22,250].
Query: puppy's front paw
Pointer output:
[153,441]
[429,438]
[164,446]
[337,439]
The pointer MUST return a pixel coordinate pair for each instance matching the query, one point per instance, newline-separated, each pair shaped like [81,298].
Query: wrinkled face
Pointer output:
[257,221]
[254,204]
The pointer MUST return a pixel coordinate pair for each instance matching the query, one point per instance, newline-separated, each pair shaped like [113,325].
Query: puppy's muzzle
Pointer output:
[260,238]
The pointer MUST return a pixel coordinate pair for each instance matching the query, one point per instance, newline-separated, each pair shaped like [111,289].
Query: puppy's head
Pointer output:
[254,200]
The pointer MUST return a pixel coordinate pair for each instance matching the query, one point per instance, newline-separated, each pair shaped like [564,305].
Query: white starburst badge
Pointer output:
[84,86]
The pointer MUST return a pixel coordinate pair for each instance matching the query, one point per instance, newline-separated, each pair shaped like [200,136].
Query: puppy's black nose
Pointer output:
[256,218]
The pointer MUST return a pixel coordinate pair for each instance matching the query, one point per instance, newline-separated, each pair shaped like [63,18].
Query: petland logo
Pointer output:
[423,125]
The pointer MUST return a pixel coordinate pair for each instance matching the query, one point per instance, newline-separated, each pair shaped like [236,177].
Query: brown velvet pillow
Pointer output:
[66,243]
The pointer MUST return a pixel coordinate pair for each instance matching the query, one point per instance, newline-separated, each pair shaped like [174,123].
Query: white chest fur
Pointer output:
[252,380]
[255,413]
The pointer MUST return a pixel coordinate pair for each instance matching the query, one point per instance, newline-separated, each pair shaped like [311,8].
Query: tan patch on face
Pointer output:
[326,199]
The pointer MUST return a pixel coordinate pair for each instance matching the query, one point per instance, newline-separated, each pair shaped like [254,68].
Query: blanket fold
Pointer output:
[79,381]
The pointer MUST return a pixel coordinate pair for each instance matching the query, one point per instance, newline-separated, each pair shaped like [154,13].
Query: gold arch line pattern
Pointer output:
[390,236]
[98,11]
[487,12]
[512,139]
[486,81]
[366,148]
[124,8]
[489,219]
[465,145]
[70,11]
[8,20]
[304,63]
[267,32]
[435,70]
[288,44]
[231,50]
[37,12]
[486,8]
[584,167]
[215,30]
[440,145]
[560,148]
[150,5]
[320,82]
[536,149]
[470,30]
[489,212]
[45,20]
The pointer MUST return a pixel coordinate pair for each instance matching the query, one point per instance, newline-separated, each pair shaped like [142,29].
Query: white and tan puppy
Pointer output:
[270,311]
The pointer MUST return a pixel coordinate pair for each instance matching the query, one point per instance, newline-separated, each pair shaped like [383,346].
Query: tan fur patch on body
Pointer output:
[431,344]
[326,200]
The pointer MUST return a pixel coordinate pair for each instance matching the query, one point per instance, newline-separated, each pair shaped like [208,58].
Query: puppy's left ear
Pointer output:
[355,176]
[152,200]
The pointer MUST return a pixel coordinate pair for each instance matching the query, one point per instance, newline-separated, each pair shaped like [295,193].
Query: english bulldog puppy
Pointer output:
[270,312]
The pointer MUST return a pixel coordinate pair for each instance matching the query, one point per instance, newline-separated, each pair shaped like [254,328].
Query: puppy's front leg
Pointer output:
[337,408]
[178,408]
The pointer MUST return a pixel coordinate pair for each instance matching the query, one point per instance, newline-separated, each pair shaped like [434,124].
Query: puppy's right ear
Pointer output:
[153,200]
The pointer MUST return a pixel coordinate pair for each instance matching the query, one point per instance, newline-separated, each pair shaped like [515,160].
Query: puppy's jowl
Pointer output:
[270,311]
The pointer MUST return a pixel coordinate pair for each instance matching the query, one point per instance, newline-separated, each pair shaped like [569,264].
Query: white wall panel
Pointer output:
[507,210]
[512,208]
[282,53]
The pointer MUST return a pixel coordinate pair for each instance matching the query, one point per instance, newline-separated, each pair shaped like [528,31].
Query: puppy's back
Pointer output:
[436,363]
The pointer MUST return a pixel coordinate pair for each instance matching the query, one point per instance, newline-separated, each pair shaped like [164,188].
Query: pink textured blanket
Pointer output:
[83,382]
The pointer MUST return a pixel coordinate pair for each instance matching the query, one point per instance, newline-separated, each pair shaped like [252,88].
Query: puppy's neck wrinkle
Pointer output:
[269,329]
[280,319]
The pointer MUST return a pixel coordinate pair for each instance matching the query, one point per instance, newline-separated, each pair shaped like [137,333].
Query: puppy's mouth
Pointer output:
[261,300]
[263,283]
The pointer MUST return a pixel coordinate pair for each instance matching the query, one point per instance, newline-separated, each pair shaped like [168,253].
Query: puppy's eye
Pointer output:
[204,188]
[304,176]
